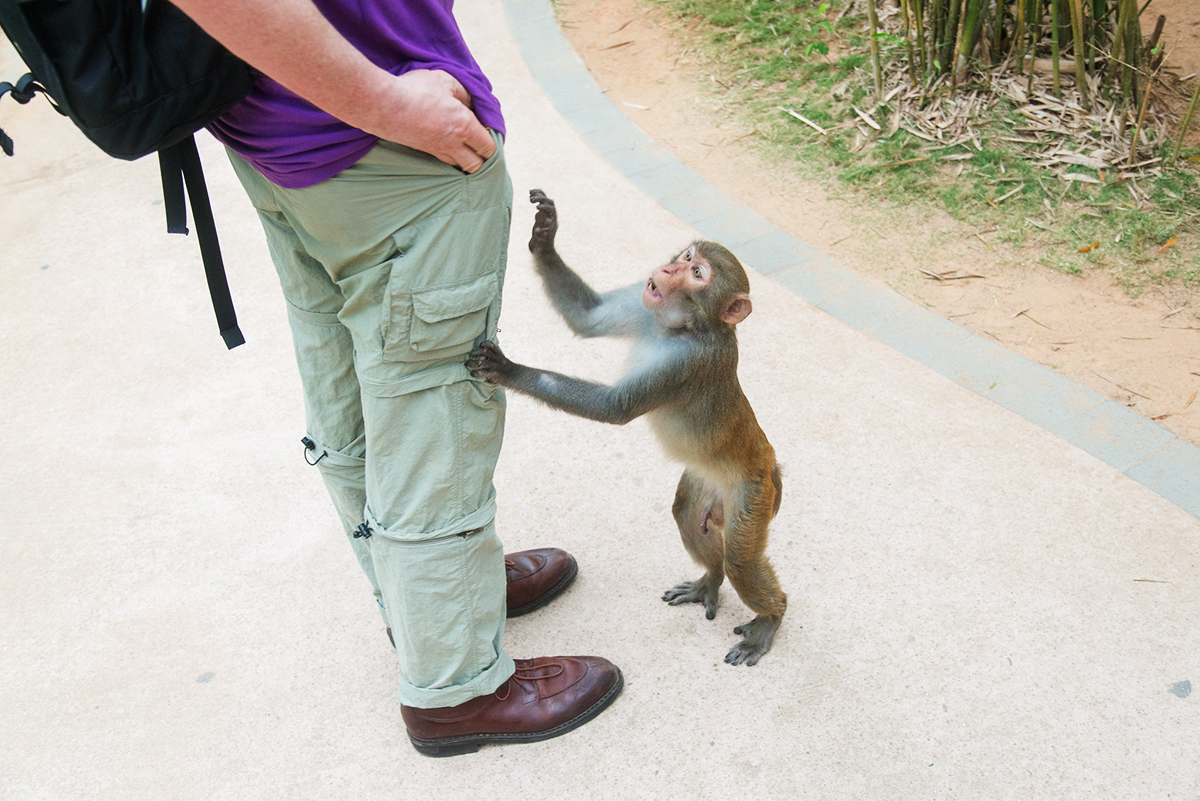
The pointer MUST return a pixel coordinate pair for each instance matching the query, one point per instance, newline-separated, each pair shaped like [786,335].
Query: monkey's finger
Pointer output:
[485,375]
[479,360]
[483,362]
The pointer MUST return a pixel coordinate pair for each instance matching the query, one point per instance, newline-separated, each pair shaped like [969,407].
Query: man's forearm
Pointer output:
[293,43]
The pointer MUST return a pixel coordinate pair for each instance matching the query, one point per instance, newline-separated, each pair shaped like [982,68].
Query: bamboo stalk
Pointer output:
[1057,86]
[937,22]
[949,43]
[1081,77]
[874,18]
[908,44]
[919,18]
[1131,45]
[1018,42]
[1037,28]
[971,27]
[1187,120]
[1137,131]
[1152,42]
[1116,65]
[1099,11]
[997,30]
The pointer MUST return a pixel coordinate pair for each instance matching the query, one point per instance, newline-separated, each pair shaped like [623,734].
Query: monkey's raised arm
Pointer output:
[586,312]
[655,383]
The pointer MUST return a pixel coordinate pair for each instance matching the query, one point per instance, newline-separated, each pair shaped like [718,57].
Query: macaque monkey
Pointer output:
[683,376]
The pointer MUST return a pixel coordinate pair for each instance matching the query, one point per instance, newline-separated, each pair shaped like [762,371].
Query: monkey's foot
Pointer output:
[700,591]
[759,634]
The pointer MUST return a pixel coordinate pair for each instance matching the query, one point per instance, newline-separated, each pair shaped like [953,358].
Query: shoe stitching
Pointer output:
[525,674]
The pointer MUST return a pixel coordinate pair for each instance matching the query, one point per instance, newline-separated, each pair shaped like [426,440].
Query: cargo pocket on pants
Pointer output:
[441,321]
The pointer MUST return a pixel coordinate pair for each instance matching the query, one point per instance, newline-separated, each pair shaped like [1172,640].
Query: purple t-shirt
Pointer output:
[295,144]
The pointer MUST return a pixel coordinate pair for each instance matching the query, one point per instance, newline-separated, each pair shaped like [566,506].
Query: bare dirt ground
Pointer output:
[1136,352]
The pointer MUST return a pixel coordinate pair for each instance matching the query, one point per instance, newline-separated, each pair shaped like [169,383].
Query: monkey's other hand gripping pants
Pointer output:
[392,272]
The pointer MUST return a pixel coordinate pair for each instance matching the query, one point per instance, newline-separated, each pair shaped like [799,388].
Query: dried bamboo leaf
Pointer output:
[803,119]
[1009,194]
[867,118]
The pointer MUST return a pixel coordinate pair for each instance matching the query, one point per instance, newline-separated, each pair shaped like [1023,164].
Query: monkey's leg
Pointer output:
[751,574]
[700,517]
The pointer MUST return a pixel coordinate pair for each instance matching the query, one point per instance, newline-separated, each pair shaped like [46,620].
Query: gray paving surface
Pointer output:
[979,609]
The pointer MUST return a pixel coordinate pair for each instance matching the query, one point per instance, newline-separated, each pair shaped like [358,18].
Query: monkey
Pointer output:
[683,377]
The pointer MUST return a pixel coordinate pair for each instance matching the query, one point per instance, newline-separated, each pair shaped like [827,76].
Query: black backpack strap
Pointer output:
[6,142]
[180,164]
[25,90]
[170,164]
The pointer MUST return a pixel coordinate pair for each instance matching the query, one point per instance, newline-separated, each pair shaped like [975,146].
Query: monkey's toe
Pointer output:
[742,656]
[694,592]
[759,634]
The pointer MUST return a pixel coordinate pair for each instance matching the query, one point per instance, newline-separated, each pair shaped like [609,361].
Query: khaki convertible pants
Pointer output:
[392,272]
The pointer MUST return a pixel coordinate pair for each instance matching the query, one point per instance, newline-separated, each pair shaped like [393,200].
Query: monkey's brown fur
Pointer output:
[683,377]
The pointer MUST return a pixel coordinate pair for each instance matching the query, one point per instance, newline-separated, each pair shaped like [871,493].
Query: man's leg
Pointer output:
[363,258]
[335,438]
[416,250]
[335,434]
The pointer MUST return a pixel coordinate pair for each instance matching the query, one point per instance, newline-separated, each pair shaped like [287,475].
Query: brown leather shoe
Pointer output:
[546,697]
[537,577]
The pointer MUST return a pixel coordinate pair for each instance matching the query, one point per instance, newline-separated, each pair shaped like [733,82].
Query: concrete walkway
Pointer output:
[979,608]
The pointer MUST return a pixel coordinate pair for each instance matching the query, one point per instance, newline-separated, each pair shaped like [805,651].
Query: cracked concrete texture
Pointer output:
[978,609]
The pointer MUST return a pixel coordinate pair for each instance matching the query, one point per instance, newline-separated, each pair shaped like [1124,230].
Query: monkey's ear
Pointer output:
[737,309]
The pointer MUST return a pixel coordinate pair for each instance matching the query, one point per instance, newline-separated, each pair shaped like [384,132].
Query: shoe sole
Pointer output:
[549,595]
[470,743]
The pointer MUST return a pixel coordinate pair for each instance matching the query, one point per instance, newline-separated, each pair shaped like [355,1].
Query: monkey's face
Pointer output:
[671,290]
[703,289]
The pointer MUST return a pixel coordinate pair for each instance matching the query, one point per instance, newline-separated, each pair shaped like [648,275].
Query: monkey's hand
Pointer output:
[545,223]
[488,363]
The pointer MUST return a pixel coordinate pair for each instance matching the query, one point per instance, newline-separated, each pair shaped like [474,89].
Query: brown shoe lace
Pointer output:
[526,674]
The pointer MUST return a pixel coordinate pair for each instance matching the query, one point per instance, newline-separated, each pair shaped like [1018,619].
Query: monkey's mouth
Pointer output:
[652,289]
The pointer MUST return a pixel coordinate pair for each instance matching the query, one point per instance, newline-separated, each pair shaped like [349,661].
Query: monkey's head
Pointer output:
[704,288]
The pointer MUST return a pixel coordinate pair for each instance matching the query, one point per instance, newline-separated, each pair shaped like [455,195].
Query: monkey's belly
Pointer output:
[680,443]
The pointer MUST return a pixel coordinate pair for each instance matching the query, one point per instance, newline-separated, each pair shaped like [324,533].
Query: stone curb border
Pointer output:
[1139,448]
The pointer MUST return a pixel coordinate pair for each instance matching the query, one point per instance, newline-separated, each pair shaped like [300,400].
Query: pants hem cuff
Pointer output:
[486,682]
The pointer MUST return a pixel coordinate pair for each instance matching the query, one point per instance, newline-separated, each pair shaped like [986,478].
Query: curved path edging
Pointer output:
[1141,449]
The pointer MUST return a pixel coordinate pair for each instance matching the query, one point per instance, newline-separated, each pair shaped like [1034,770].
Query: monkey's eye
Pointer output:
[688,254]
[696,271]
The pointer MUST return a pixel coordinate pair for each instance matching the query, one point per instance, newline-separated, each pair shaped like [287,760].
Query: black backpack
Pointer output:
[136,81]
